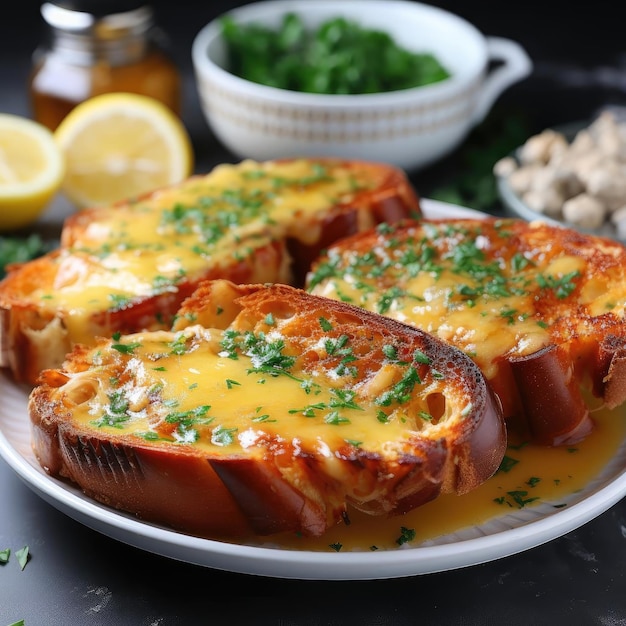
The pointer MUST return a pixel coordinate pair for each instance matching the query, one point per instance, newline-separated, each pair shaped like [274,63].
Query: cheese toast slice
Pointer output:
[267,409]
[539,308]
[128,267]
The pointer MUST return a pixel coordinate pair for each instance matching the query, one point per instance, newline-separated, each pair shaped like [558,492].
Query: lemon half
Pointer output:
[31,170]
[122,145]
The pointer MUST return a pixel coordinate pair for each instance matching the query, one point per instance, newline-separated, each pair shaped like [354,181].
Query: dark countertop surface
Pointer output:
[78,576]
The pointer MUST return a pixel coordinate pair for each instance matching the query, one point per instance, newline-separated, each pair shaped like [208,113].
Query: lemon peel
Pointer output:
[31,170]
[122,145]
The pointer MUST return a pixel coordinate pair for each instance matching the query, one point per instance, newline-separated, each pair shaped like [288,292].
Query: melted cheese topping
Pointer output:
[191,388]
[147,247]
[482,289]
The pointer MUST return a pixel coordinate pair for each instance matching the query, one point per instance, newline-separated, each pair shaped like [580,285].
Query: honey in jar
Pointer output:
[95,47]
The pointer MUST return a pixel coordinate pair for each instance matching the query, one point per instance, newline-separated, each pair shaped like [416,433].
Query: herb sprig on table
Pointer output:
[22,555]
[15,249]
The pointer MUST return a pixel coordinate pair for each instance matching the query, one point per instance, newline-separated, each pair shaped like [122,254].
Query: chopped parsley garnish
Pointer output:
[507,464]
[222,436]
[342,399]
[187,421]
[333,346]
[402,390]
[562,287]
[119,300]
[354,442]
[179,344]
[516,498]
[115,414]
[267,356]
[125,348]
[325,324]
[406,535]
[390,352]
[338,56]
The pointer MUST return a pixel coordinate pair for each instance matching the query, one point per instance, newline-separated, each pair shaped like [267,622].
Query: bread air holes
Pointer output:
[80,390]
[422,415]
[275,311]
[435,408]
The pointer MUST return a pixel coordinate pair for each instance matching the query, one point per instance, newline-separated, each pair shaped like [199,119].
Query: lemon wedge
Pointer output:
[122,145]
[31,170]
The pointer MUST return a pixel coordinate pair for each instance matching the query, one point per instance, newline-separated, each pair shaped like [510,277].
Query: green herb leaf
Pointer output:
[406,535]
[4,556]
[22,556]
[507,464]
[325,324]
[125,348]
[223,436]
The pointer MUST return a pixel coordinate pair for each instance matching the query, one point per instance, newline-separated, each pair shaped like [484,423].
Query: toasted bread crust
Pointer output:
[300,483]
[38,327]
[539,308]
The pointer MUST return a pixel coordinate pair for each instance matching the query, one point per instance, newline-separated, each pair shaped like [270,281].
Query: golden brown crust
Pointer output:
[283,483]
[539,308]
[34,336]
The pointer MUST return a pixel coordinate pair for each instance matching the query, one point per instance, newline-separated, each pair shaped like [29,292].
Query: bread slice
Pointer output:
[267,409]
[128,267]
[539,308]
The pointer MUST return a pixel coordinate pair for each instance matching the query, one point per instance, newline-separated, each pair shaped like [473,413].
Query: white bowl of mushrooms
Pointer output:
[573,176]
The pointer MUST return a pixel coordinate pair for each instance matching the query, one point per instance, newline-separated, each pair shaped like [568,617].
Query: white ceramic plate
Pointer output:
[500,537]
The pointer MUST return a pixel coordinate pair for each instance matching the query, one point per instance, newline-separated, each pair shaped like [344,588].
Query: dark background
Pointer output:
[79,577]
[578,50]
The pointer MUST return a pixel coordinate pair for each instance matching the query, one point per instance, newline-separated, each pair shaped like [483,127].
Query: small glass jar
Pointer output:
[96,47]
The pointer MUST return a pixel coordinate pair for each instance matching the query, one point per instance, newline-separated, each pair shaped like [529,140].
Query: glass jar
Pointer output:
[95,47]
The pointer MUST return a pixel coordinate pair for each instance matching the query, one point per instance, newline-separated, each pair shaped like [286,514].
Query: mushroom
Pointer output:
[582,182]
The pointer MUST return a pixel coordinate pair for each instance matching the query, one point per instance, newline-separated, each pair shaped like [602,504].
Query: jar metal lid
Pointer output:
[84,15]
[99,8]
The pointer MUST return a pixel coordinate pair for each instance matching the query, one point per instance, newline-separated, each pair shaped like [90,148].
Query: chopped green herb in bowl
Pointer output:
[338,57]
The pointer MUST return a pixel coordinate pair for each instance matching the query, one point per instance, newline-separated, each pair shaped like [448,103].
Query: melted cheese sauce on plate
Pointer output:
[537,475]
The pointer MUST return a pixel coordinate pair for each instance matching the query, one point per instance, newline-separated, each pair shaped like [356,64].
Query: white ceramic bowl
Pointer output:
[410,128]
